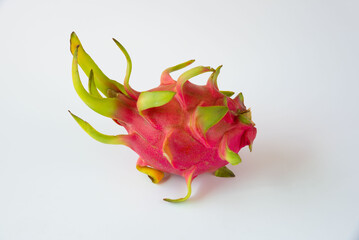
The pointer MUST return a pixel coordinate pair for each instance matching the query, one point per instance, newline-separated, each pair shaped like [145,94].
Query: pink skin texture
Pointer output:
[176,128]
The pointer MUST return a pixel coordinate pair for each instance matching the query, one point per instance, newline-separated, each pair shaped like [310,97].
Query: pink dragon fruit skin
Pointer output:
[177,128]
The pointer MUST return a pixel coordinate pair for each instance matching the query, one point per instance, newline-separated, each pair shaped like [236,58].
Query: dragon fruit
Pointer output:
[176,128]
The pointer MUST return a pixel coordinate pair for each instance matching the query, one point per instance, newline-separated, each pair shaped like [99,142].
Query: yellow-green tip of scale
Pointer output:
[224,172]
[232,157]
[153,99]
[108,139]
[189,189]
[104,106]
[207,117]
[192,73]
[87,63]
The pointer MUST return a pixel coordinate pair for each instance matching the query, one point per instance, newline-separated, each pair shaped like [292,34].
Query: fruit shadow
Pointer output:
[266,165]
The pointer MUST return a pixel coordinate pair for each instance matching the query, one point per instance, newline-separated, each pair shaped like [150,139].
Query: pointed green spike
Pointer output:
[127,86]
[179,66]
[213,79]
[148,100]
[108,139]
[226,153]
[227,93]
[207,117]
[85,61]
[92,86]
[246,117]
[104,106]
[229,156]
[192,73]
[250,146]
[224,172]
[241,98]
[232,157]
[189,189]
[166,78]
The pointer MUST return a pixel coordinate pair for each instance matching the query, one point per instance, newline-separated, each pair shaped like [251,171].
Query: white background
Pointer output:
[297,63]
